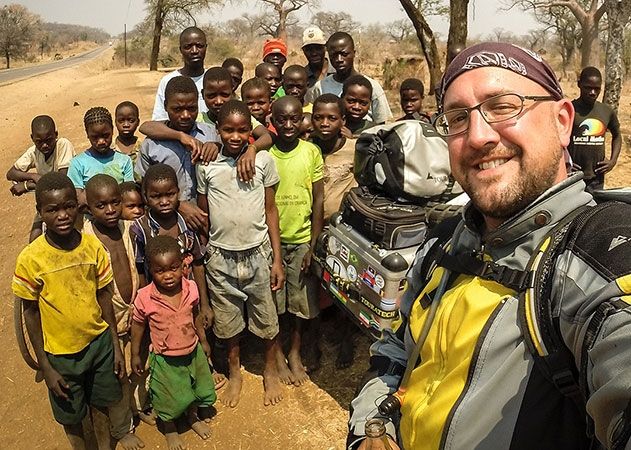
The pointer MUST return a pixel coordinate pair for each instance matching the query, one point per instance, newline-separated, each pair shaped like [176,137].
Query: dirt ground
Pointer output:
[310,417]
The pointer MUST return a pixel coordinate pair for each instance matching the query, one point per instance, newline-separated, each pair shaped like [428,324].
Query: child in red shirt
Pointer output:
[180,381]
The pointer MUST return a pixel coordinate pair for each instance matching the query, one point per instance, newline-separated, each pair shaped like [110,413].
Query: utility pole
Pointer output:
[125,43]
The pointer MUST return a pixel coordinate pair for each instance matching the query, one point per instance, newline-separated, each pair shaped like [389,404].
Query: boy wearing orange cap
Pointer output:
[275,52]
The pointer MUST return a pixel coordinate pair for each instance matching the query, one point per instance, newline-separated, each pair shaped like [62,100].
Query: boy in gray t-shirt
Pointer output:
[243,238]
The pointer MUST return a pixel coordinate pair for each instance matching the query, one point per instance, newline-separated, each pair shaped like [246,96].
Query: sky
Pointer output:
[111,15]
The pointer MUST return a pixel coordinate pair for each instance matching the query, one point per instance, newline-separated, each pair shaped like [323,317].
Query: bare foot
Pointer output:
[131,442]
[273,388]
[297,369]
[201,428]
[219,379]
[148,416]
[174,442]
[285,375]
[232,391]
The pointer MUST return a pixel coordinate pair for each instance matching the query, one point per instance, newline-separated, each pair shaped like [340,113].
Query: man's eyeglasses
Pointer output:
[495,109]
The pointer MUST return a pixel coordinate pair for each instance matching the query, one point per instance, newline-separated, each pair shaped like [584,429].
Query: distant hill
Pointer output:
[57,35]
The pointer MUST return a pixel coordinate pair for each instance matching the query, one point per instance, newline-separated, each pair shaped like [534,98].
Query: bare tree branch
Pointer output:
[587,14]
[283,9]
[330,22]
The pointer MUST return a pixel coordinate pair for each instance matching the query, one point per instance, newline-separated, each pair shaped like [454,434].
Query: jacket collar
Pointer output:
[550,207]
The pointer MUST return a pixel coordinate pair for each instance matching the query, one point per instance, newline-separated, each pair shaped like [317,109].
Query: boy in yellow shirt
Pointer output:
[64,280]
[300,201]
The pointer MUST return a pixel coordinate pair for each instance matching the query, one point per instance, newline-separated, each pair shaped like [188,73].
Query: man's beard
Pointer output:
[530,183]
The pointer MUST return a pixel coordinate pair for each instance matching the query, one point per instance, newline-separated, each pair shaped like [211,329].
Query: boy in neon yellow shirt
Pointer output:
[64,280]
[300,201]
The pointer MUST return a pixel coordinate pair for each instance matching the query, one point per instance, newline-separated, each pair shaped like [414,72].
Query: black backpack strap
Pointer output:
[540,326]
[443,232]
[472,264]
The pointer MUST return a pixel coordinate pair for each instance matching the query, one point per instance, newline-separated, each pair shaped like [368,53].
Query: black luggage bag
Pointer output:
[387,223]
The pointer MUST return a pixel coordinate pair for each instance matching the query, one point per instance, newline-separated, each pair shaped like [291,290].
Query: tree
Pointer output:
[277,25]
[567,34]
[458,19]
[414,10]
[457,11]
[536,38]
[618,15]
[626,58]
[167,14]
[400,30]
[268,25]
[587,13]
[330,22]
[18,27]
[43,40]
[500,35]
[245,26]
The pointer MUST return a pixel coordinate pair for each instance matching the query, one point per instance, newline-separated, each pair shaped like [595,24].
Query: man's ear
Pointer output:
[564,120]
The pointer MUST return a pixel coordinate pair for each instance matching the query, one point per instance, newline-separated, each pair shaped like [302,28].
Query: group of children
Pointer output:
[144,253]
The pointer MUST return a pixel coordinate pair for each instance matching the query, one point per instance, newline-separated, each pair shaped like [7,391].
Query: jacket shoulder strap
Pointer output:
[537,313]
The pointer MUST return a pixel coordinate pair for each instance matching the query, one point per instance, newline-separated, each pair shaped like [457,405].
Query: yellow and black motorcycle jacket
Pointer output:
[479,382]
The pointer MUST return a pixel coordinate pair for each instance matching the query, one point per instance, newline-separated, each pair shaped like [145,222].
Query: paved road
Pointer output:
[31,71]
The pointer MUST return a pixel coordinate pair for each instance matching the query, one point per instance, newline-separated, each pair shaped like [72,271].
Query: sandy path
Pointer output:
[308,418]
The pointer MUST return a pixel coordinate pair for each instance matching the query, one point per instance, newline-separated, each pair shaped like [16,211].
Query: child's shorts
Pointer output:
[238,279]
[177,382]
[90,375]
[300,293]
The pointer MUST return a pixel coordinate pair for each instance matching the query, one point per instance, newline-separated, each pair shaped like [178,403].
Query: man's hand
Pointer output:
[379,445]
[119,362]
[56,383]
[277,276]
[246,164]
[136,365]
[306,261]
[605,166]
[18,189]
[194,217]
